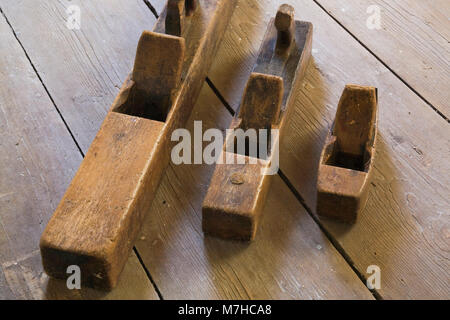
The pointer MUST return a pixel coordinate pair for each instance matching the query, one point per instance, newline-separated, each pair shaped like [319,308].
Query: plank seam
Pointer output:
[42,82]
[71,134]
[334,242]
[286,181]
[141,261]
[220,96]
[383,63]
[147,272]
[152,8]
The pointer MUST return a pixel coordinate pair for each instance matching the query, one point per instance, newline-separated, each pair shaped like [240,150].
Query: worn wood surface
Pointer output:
[156,76]
[414,41]
[408,241]
[340,282]
[97,222]
[37,160]
[82,69]
[404,228]
[302,264]
[348,155]
[99,217]
[237,191]
[232,207]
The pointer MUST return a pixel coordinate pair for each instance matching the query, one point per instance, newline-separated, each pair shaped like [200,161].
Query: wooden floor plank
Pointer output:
[83,69]
[404,229]
[311,270]
[290,259]
[414,41]
[38,158]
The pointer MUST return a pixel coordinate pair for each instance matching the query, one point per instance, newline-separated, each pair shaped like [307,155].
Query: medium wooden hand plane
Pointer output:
[237,192]
[348,155]
[99,217]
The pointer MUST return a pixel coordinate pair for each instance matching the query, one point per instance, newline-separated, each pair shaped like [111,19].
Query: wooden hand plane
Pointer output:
[348,155]
[237,192]
[97,221]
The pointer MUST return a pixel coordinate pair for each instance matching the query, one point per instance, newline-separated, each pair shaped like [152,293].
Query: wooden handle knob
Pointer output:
[285,24]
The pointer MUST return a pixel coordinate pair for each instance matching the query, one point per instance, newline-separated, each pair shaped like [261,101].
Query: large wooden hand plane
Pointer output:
[96,224]
[237,192]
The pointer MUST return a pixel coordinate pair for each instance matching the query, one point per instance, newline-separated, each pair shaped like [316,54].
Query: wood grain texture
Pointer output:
[301,264]
[261,102]
[82,69]
[97,222]
[232,210]
[405,272]
[348,156]
[404,228]
[156,75]
[37,160]
[414,41]
[237,192]
[175,263]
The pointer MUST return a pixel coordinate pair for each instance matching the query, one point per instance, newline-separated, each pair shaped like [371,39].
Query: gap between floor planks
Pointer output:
[285,180]
[403,80]
[216,91]
[72,136]
[415,93]
[362,289]
[140,260]
[369,71]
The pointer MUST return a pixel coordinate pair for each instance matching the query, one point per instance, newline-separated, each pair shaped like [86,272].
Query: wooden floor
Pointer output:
[57,85]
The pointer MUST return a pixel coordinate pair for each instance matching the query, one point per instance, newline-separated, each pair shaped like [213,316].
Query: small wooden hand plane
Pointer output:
[237,192]
[348,155]
[99,217]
